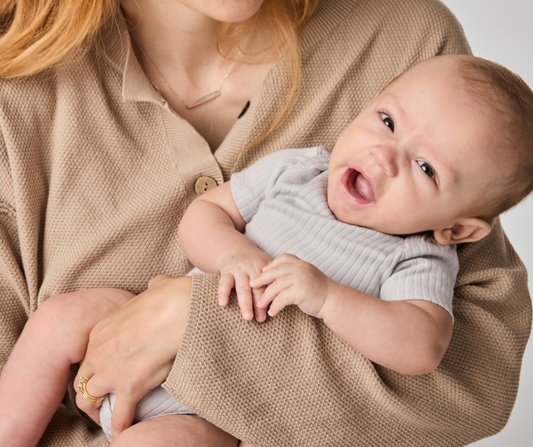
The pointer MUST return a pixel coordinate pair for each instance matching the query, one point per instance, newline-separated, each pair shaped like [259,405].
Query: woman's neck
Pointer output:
[158,27]
[176,48]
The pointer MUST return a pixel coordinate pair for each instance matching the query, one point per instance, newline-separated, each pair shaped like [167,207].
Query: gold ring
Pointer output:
[82,386]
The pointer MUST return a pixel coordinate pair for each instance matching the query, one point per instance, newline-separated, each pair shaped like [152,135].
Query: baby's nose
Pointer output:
[387,159]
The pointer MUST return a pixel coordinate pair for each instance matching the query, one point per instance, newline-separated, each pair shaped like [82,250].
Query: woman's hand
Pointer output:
[133,350]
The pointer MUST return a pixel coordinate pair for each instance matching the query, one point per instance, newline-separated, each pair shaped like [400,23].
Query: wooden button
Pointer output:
[204,184]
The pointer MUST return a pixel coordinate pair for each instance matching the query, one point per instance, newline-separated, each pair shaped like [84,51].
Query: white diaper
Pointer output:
[194,270]
[157,402]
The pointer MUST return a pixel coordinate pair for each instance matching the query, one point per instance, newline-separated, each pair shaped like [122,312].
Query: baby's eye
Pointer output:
[428,170]
[388,121]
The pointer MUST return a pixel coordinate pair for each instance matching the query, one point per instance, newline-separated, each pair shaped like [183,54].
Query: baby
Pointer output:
[362,238]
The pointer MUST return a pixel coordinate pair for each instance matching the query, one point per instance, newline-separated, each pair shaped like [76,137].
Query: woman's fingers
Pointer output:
[123,413]
[93,411]
[91,408]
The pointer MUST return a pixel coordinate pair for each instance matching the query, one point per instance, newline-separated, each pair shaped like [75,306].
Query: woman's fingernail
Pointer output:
[248,315]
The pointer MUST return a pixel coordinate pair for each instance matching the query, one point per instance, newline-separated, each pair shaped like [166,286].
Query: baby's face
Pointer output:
[416,158]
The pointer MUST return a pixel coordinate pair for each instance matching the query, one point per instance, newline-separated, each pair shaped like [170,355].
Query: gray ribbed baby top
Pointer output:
[282,199]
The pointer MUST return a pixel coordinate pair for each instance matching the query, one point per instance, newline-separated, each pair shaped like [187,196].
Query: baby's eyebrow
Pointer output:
[392,105]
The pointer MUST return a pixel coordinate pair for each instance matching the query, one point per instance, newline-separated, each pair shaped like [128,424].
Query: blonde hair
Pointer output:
[38,34]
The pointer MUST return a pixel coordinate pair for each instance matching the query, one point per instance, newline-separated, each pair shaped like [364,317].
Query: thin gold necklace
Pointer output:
[199,101]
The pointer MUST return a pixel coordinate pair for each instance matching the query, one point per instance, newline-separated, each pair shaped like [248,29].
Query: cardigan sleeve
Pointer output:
[13,311]
[67,428]
[290,381]
[13,291]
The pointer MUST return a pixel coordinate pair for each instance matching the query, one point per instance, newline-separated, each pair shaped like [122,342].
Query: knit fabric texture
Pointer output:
[96,172]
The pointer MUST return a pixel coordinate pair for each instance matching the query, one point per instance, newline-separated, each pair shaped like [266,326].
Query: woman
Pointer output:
[103,150]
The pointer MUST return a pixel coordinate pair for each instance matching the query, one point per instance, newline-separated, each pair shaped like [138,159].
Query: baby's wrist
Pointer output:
[330,301]
[223,261]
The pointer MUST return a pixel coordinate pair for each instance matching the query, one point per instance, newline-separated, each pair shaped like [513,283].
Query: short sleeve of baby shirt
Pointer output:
[251,186]
[426,271]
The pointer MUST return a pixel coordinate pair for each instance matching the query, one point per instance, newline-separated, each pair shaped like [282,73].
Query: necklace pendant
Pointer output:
[203,99]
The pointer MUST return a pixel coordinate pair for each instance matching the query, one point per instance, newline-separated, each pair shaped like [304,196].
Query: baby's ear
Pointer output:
[466,229]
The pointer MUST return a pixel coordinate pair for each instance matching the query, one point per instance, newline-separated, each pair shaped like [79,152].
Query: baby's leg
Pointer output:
[174,431]
[36,375]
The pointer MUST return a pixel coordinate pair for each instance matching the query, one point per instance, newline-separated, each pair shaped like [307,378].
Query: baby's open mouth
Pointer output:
[359,186]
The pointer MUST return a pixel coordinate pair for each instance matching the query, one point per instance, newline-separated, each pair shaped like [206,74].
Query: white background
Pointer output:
[502,31]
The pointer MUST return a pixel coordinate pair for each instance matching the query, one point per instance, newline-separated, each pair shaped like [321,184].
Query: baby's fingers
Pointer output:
[270,275]
[281,259]
[275,288]
[259,312]
[282,300]
[244,295]
[225,285]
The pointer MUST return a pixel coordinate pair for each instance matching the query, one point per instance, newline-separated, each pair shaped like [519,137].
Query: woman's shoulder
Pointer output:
[421,21]
[353,49]
[49,95]
[23,93]
[420,12]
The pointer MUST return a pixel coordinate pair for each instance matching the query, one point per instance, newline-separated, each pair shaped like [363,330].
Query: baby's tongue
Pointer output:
[362,186]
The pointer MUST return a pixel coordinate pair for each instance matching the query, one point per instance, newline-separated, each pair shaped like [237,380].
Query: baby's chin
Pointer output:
[394,228]
[344,215]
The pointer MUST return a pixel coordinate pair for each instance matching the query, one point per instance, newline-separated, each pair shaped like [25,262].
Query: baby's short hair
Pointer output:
[510,100]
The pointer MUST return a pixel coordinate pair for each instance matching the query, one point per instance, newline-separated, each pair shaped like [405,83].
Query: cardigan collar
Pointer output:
[116,42]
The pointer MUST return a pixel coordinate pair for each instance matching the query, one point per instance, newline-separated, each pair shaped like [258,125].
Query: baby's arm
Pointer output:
[409,337]
[210,232]
[36,375]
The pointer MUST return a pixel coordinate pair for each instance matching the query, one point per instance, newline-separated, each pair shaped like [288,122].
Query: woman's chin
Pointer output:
[235,11]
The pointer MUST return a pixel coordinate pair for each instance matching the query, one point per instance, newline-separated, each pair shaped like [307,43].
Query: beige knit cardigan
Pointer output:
[96,171]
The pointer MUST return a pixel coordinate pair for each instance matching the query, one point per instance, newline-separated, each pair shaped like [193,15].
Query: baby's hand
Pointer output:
[236,270]
[290,280]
